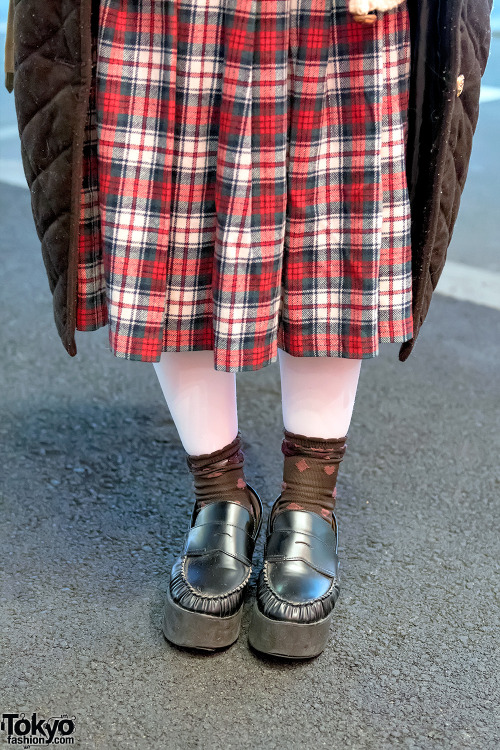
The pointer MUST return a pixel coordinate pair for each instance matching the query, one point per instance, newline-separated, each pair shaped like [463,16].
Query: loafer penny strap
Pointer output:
[289,544]
[222,537]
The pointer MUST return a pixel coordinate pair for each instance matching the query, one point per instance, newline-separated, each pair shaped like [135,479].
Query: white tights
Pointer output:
[317,396]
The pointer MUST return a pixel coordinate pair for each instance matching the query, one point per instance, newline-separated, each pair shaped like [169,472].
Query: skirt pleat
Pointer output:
[252,187]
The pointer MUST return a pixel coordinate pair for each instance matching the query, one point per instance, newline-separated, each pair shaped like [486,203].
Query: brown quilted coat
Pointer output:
[51,79]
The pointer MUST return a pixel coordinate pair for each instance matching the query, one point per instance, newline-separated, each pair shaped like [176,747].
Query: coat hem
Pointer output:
[76,182]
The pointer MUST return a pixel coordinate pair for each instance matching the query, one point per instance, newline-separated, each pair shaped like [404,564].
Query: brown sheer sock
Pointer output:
[219,476]
[310,474]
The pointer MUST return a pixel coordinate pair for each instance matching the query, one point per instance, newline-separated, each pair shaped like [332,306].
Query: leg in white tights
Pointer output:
[318,400]
[317,397]
[318,394]
[201,400]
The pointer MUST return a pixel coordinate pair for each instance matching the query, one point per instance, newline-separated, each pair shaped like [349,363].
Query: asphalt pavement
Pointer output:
[95,499]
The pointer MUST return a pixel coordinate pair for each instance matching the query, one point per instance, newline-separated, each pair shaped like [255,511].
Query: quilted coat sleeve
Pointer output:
[449,39]
[51,89]
[472,54]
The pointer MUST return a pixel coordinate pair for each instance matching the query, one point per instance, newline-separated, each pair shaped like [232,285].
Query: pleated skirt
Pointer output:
[252,188]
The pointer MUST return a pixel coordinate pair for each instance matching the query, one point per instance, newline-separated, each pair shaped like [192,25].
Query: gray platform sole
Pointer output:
[291,640]
[198,630]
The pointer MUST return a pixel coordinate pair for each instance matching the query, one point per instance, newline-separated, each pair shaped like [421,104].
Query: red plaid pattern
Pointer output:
[251,181]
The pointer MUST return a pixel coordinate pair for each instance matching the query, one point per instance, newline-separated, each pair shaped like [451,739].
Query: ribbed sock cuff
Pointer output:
[310,474]
[219,476]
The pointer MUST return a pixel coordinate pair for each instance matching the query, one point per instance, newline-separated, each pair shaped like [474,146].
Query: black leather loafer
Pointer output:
[204,599]
[297,587]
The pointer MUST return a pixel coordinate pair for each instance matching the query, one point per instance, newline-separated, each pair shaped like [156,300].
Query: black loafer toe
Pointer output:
[204,599]
[306,596]
[297,587]
[194,585]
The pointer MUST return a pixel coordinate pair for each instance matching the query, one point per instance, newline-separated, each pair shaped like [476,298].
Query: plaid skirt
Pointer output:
[252,187]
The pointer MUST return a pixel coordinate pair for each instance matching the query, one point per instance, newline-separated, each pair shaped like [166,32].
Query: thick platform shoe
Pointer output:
[298,586]
[204,599]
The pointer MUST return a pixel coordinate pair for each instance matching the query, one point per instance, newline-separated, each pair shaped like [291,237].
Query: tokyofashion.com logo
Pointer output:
[20,730]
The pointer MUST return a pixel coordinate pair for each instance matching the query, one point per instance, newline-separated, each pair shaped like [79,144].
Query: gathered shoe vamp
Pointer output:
[215,574]
[299,579]
[296,582]
[215,565]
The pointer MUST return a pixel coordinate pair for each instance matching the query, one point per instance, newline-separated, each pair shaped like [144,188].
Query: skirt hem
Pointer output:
[339,353]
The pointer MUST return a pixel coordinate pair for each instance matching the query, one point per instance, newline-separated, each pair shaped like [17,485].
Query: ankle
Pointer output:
[310,474]
[219,476]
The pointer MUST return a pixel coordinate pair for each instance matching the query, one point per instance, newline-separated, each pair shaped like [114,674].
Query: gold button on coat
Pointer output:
[460,84]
